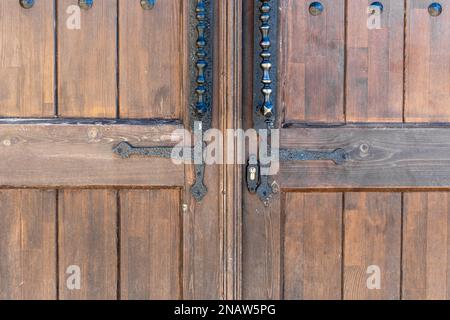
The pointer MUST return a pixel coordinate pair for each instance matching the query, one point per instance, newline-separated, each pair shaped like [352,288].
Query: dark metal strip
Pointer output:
[126,150]
[265,64]
[338,156]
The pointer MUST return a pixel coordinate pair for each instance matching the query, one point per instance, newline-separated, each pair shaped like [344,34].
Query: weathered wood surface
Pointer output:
[151,244]
[372,238]
[87,60]
[81,155]
[87,238]
[381,158]
[28,245]
[426,246]
[375,63]
[312,257]
[27,59]
[153,58]
[312,61]
[427,63]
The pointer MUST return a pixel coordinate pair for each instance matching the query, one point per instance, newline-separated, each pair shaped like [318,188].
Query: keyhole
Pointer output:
[252,174]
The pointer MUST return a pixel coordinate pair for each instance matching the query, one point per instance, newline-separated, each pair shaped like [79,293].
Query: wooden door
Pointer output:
[380,94]
[71,91]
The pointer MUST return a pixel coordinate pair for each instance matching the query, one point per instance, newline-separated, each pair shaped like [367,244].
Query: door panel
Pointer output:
[428,63]
[131,223]
[27,244]
[87,59]
[312,61]
[426,246]
[372,238]
[377,157]
[150,244]
[375,63]
[27,60]
[330,231]
[152,46]
[87,238]
[46,154]
[312,256]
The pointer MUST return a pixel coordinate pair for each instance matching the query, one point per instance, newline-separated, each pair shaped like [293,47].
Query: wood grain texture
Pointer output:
[229,17]
[81,155]
[426,246]
[312,61]
[88,239]
[378,158]
[375,63]
[312,246]
[428,63]
[27,245]
[372,223]
[87,85]
[150,244]
[261,249]
[26,59]
[152,57]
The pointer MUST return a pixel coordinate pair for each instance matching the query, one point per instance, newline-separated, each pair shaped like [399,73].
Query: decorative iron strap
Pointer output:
[201,105]
[201,115]
[264,94]
[126,150]
[267,107]
[265,75]
[201,68]
[338,156]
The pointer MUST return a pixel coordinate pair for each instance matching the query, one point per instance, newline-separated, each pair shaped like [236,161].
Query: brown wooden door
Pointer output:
[383,96]
[68,96]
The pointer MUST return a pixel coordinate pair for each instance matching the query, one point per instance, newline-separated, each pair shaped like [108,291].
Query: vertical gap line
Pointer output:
[402,215]
[405,28]
[118,240]
[57,243]
[345,60]
[118,60]
[343,247]
[55,66]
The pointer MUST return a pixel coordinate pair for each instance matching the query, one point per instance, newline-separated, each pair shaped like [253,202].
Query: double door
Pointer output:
[94,98]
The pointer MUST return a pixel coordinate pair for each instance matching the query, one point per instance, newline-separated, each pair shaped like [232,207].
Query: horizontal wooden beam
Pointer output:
[378,158]
[69,155]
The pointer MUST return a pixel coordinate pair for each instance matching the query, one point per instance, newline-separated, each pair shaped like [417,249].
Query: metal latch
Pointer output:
[253,174]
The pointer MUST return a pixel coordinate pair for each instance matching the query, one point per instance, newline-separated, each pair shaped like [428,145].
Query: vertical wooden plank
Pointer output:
[150,244]
[88,239]
[312,246]
[261,249]
[87,85]
[426,246]
[313,61]
[27,245]
[372,224]
[151,52]
[375,63]
[428,63]
[26,59]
